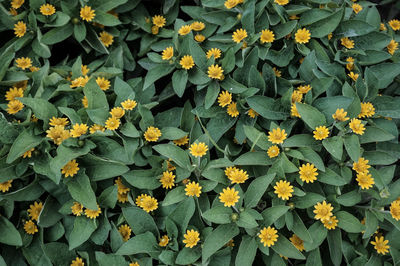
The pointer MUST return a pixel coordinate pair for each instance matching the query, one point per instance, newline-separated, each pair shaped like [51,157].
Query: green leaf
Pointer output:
[80,189]
[352,145]
[300,140]
[218,238]
[266,107]
[327,25]
[300,229]
[375,134]
[379,158]
[188,256]
[176,154]
[82,230]
[106,19]
[156,73]
[334,146]
[335,245]
[41,108]
[218,215]
[109,259]
[172,133]
[285,248]
[174,196]
[8,233]
[311,115]
[331,178]
[99,168]
[273,213]
[353,28]
[24,142]
[311,156]
[140,221]
[283,29]
[310,199]
[371,224]
[348,222]
[211,95]
[256,137]
[58,34]
[256,190]
[49,215]
[179,80]
[350,198]
[183,213]
[318,234]
[247,251]
[253,158]
[198,54]
[145,243]
[314,258]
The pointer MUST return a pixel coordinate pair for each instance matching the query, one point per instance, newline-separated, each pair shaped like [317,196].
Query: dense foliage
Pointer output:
[212,132]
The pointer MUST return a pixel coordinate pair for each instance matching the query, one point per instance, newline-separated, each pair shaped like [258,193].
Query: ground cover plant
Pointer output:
[199,132]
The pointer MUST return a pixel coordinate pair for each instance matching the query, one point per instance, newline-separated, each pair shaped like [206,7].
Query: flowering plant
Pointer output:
[211,133]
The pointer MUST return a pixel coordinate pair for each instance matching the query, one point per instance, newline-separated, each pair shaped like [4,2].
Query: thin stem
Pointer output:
[209,136]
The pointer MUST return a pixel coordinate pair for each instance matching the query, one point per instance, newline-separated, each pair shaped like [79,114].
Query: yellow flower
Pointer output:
[239,35]
[168,53]
[198,149]
[134,264]
[215,72]
[229,197]
[159,21]
[277,72]
[164,240]
[394,24]
[367,110]
[84,70]
[365,180]
[77,262]
[346,42]
[70,169]
[181,141]
[267,36]
[47,9]
[361,165]
[229,171]
[323,211]
[231,3]
[155,30]
[79,130]
[224,98]
[117,112]
[186,29]
[92,214]
[382,27]
[304,89]
[34,210]
[14,107]
[232,110]
[106,38]
[268,236]
[5,186]
[350,64]
[192,237]
[77,209]
[394,209]
[238,176]
[381,245]
[356,8]
[302,35]
[28,153]
[19,29]
[252,113]
[340,115]
[13,93]
[198,26]
[170,167]
[283,189]
[139,200]
[199,38]
[187,62]
[103,83]
[129,104]
[167,180]
[330,223]
[281,2]
[273,151]
[392,47]
[293,110]
[121,187]
[353,76]
[213,52]
[321,133]
[149,203]
[193,189]
[152,134]
[308,173]
[23,62]
[112,123]
[87,13]
[95,128]
[57,134]
[357,126]
[297,242]
[122,197]
[56,121]
[277,136]
[125,232]
[30,227]
[297,96]
[17,3]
